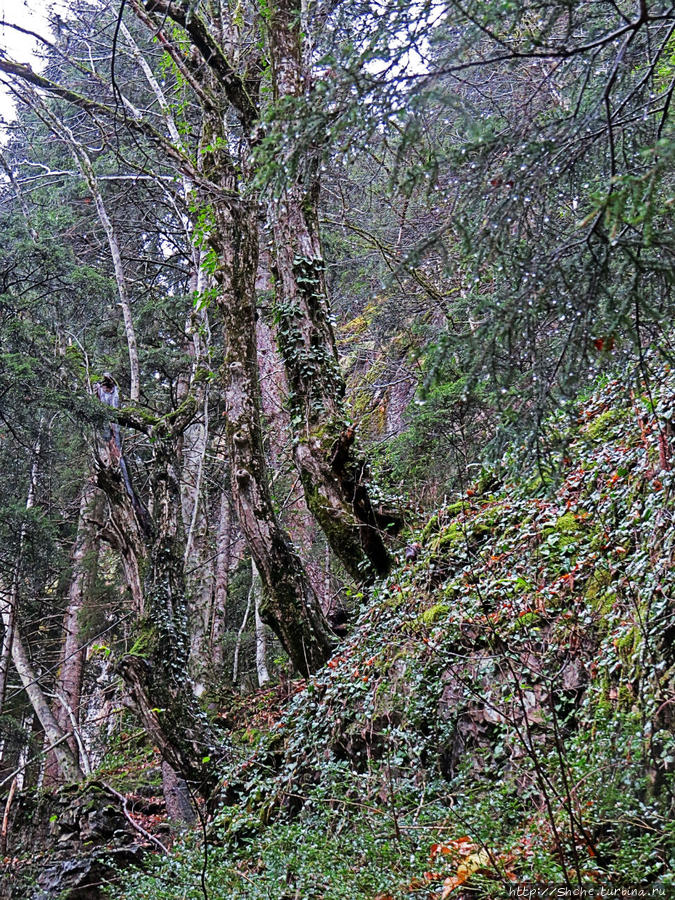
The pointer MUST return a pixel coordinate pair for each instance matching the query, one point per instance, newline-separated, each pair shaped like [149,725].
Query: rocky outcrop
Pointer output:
[67,844]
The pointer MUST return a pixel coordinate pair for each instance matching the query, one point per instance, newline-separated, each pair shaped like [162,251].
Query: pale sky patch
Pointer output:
[29,14]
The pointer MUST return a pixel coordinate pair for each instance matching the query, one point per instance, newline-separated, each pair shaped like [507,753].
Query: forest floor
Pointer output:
[502,712]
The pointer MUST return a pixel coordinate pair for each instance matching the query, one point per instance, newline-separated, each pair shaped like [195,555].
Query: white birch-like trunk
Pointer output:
[13,644]
[68,765]
[221,580]
[9,595]
[240,634]
[260,636]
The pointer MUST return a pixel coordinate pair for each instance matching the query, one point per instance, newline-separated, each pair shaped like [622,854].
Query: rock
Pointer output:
[67,845]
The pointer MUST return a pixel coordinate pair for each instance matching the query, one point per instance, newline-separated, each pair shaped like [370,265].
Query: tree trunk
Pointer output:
[121,529]
[13,646]
[198,559]
[260,637]
[289,605]
[155,670]
[71,667]
[334,473]
[227,551]
[176,796]
[83,574]
[68,764]
[9,595]
[293,511]
[240,635]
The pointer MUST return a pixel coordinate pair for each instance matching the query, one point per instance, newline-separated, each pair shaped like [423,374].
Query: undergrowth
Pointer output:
[502,712]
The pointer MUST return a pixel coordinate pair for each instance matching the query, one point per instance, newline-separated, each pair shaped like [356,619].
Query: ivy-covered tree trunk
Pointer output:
[289,606]
[334,473]
[297,519]
[155,671]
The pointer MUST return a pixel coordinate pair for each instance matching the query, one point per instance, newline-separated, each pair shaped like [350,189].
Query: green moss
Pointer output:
[602,423]
[603,603]
[452,536]
[595,585]
[431,527]
[491,516]
[356,326]
[628,644]
[567,524]
[141,414]
[625,697]
[434,613]
[564,532]
[484,527]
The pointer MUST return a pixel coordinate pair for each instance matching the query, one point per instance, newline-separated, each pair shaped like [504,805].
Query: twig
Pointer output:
[139,828]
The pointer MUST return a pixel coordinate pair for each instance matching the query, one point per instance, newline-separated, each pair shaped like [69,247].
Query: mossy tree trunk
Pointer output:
[333,471]
[155,671]
[289,606]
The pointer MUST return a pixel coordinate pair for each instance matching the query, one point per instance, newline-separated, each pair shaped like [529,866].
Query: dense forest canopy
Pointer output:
[284,287]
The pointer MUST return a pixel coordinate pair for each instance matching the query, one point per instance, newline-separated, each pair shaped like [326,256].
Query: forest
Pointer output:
[337,450]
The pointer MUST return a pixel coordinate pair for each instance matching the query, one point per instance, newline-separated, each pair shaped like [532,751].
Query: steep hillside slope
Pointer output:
[502,712]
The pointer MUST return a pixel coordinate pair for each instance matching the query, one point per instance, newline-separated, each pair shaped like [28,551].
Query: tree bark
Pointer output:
[227,551]
[334,472]
[155,670]
[260,637]
[293,511]
[290,606]
[177,796]
[121,529]
[71,667]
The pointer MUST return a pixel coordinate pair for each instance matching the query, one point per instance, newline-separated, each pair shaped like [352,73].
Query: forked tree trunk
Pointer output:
[155,671]
[290,606]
